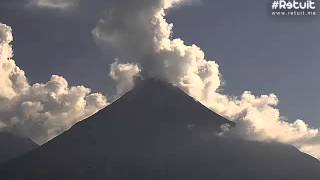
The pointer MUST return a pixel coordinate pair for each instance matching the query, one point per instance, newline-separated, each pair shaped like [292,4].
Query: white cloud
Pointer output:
[42,110]
[138,30]
[124,75]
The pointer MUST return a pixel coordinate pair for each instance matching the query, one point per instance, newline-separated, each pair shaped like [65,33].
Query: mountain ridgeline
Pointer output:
[157,132]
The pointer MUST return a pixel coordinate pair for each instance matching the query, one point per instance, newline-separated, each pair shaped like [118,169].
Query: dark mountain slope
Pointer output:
[12,146]
[158,132]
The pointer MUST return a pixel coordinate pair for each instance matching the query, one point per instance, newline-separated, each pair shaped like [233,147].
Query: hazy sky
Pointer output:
[256,51]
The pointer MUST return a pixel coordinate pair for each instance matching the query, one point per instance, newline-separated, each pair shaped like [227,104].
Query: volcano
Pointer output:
[12,146]
[156,131]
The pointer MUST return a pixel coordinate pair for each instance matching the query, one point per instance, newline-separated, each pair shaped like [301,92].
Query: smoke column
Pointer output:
[138,31]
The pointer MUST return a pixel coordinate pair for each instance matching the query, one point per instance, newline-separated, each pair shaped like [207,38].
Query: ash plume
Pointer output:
[139,32]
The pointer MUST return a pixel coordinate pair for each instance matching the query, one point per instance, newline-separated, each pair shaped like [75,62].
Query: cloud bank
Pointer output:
[40,111]
[139,32]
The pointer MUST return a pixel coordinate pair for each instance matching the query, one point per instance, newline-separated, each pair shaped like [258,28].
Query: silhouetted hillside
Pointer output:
[157,132]
[12,146]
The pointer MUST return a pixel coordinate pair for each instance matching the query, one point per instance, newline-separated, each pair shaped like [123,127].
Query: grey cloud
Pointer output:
[54,4]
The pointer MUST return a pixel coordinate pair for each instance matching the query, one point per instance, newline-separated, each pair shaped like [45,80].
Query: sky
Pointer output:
[255,51]
[63,60]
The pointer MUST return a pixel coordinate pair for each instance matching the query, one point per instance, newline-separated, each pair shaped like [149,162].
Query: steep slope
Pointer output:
[158,132]
[12,146]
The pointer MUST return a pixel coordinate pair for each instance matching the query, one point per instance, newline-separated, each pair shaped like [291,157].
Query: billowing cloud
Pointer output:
[139,32]
[124,75]
[42,110]
[54,4]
